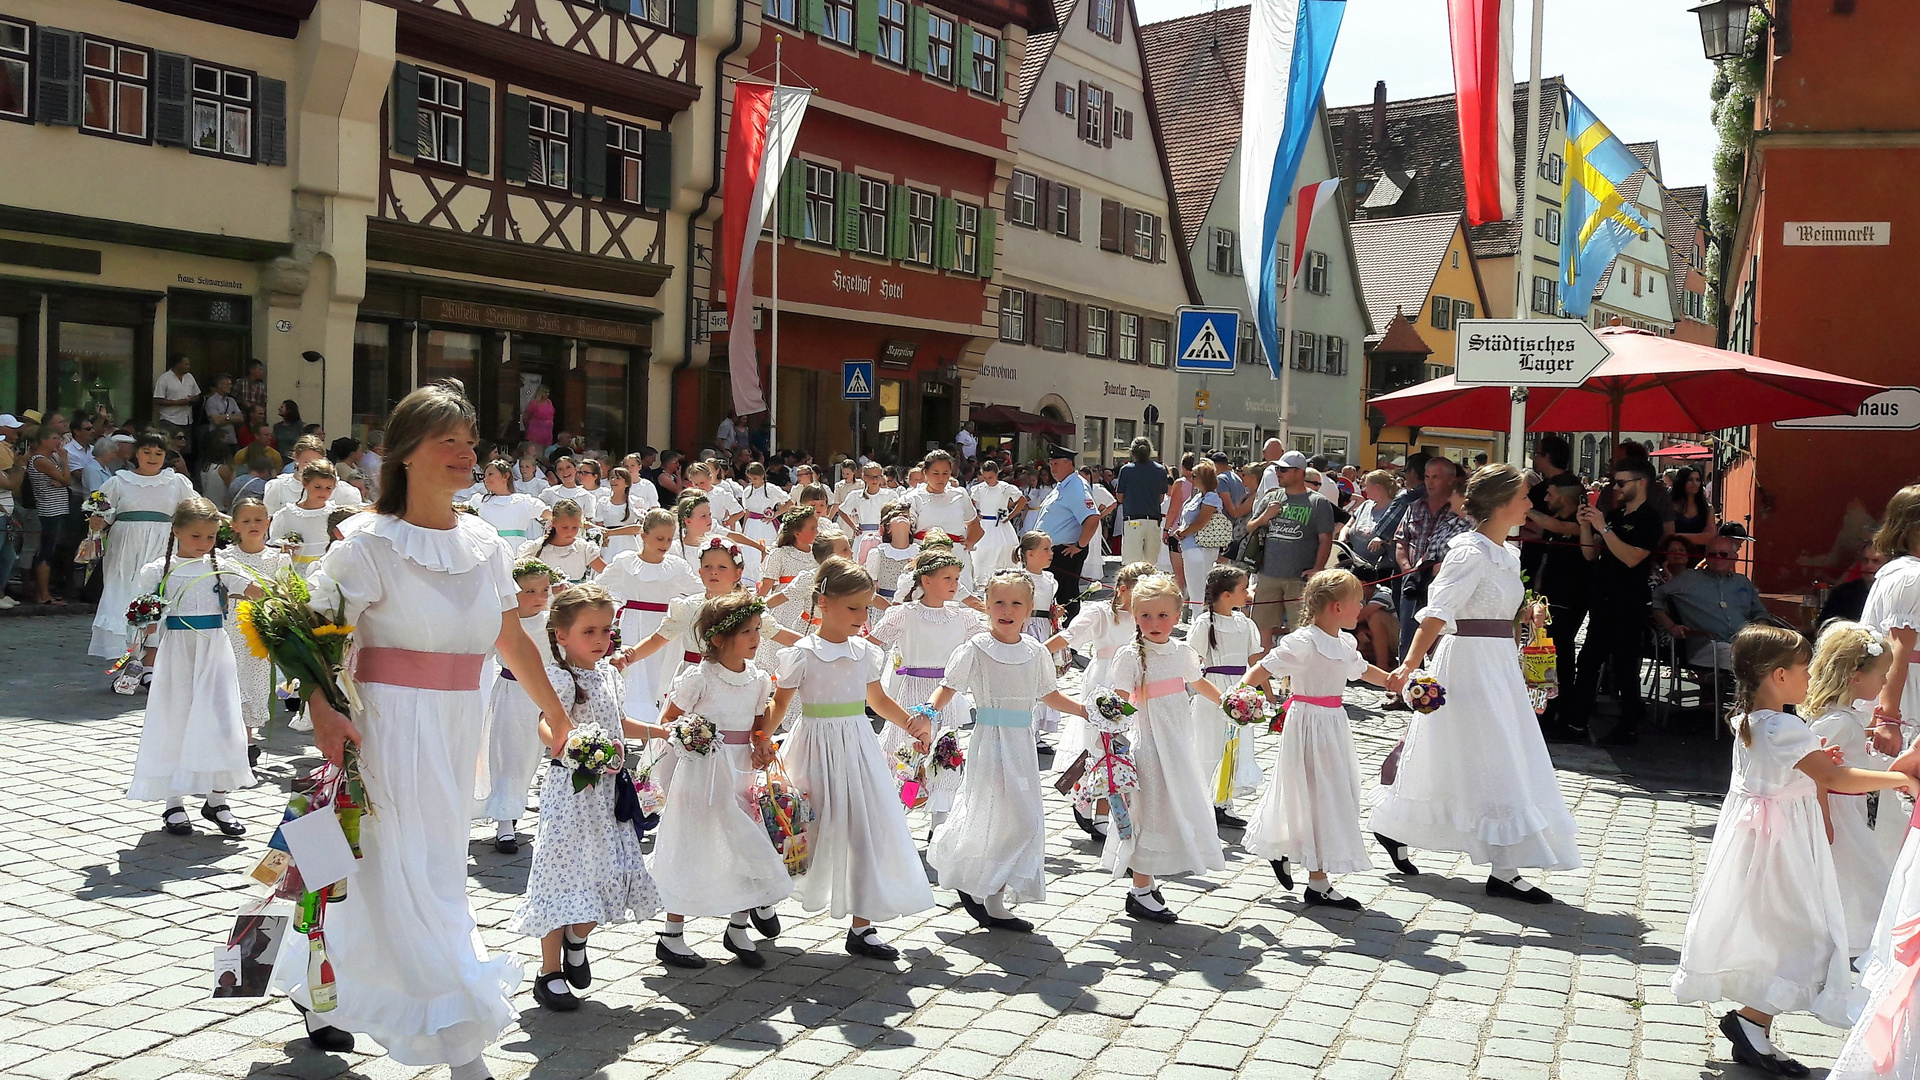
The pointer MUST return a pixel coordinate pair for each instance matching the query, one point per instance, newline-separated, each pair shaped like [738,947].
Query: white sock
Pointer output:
[503,829]
[1512,877]
[477,1068]
[869,934]
[996,906]
[764,912]
[1143,895]
[1756,1035]
[573,949]
[177,804]
[740,938]
[672,937]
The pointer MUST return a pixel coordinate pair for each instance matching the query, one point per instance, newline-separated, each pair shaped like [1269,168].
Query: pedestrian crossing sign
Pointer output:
[856,380]
[1206,340]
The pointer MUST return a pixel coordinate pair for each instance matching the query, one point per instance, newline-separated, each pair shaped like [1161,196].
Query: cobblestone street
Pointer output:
[107,929]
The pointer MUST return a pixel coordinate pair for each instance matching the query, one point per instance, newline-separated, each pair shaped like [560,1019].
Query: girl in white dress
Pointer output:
[936,541]
[528,479]
[588,869]
[516,516]
[792,553]
[1312,807]
[1893,609]
[646,582]
[1768,929]
[999,504]
[1032,558]
[1850,664]
[865,863]
[1227,642]
[1172,809]
[920,634]
[513,721]
[789,603]
[1098,632]
[944,505]
[677,639]
[698,514]
[885,563]
[1474,774]
[307,519]
[566,485]
[193,740]
[860,509]
[711,856]
[143,499]
[992,848]
[251,550]
[563,547]
[763,503]
[621,514]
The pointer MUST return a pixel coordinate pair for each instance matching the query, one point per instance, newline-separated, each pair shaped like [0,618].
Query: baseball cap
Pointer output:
[1218,457]
[1292,459]
[8,420]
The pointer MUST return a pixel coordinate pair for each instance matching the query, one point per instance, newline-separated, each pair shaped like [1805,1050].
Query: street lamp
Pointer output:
[1723,28]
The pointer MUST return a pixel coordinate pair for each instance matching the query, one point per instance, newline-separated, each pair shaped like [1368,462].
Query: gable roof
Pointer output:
[1034,60]
[1422,137]
[1399,257]
[1195,68]
[1682,226]
[1693,200]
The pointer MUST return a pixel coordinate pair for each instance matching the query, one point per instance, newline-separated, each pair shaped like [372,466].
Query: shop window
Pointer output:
[16,70]
[986,64]
[1053,324]
[450,354]
[966,228]
[1335,447]
[442,130]
[118,81]
[873,216]
[920,211]
[822,218]
[940,31]
[94,366]
[1093,440]
[1099,325]
[838,22]
[782,11]
[373,372]
[1236,442]
[548,144]
[1157,343]
[222,112]
[1124,432]
[1013,315]
[1197,438]
[604,419]
[1302,441]
[1317,278]
[892,43]
[1128,351]
[623,161]
[1390,455]
[1021,207]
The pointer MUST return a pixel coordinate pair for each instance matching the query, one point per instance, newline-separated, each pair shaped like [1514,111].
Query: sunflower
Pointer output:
[332,630]
[247,630]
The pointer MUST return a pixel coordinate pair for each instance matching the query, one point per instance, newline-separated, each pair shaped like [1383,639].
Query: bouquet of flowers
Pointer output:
[1246,705]
[465,508]
[1279,722]
[946,755]
[146,610]
[95,505]
[596,537]
[1424,693]
[1108,711]
[651,792]
[305,645]
[591,754]
[291,540]
[696,735]
[786,814]
[909,767]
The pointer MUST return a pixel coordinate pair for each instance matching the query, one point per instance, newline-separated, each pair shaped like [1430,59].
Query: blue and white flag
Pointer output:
[1289,45]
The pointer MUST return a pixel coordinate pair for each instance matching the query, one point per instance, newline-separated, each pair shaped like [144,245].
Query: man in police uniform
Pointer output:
[1069,518]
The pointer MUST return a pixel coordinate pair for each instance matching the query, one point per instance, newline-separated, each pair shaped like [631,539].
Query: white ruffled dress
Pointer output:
[514,750]
[1311,809]
[995,837]
[1888,983]
[712,856]
[924,639]
[1097,633]
[1768,929]
[994,550]
[312,529]
[193,739]
[573,561]
[515,517]
[884,565]
[1867,829]
[255,672]
[1474,774]
[1234,641]
[130,546]
[633,580]
[407,964]
[949,510]
[865,863]
[1893,603]
[1172,811]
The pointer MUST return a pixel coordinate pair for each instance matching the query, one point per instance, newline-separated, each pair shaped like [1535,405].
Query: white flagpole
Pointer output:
[773,334]
[1286,351]
[1522,297]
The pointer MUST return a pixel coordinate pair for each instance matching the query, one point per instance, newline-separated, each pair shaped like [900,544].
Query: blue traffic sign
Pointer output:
[856,380]
[1206,340]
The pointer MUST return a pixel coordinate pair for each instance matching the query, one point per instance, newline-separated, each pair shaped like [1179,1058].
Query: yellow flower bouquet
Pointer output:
[282,626]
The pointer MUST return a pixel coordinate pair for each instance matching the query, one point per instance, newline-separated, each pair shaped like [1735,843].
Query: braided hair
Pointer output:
[566,610]
[193,510]
[927,562]
[1148,588]
[1221,580]
[1759,650]
[682,510]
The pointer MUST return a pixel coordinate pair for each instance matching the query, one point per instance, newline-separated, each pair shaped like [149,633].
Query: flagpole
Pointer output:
[1522,298]
[773,332]
[1286,348]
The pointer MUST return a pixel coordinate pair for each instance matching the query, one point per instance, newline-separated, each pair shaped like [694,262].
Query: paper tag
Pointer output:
[244,967]
[272,867]
[319,848]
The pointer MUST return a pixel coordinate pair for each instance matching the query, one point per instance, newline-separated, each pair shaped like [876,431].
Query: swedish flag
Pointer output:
[1598,220]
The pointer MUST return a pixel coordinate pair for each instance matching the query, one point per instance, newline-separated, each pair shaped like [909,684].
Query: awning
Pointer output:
[1019,420]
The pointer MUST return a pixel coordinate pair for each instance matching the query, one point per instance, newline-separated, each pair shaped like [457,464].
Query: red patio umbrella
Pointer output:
[1650,383]
[1685,450]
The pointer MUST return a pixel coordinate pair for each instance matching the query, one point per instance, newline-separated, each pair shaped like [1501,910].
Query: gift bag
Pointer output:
[1110,777]
[784,812]
[647,785]
[1540,663]
[1070,776]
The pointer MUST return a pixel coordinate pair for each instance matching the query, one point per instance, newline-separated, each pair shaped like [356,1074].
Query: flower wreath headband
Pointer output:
[798,513]
[934,564]
[721,543]
[734,621]
[530,567]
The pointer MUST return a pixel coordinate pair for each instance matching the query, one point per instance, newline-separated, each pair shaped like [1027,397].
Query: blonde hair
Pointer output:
[1900,528]
[1130,574]
[1147,589]
[1759,650]
[318,470]
[657,517]
[824,542]
[1491,488]
[836,577]
[1030,542]
[566,610]
[1327,588]
[1008,577]
[1845,649]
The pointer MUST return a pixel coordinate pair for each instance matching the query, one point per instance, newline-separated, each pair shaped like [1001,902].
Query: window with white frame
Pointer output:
[1013,315]
[966,234]
[16,69]
[1157,343]
[222,112]
[1100,18]
[822,218]
[1093,124]
[1053,323]
[1553,168]
[1553,226]
[783,11]
[1546,296]
[986,63]
[1099,324]
[1248,346]
[1224,258]
[117,83]
[920,210]
[1021,193]
[1335,361]
[1143,230]
[623,160]
[1461,311]
[1305,350]
[1442,317]
[892,43]
[1317,278]
[873,216]
[1093,440]
[838,23]
[1283,269]
[441,133]
[1127,338]
[940,39]
[1236,441]
[1334,446]
[1062,211]
[548,142]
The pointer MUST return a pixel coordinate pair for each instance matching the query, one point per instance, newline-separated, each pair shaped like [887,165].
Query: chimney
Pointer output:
[1379,113]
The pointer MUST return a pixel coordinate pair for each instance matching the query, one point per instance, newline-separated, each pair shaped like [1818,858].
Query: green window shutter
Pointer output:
[172,101]
[271,147]
[513,139]
[479,129]
[592,165]
[656,167]
[847,203]
[403,112]
[793,199]
[985,266]
[962,55]
[57,76]
[943,234]
[917,38]
[866,25]
[899,225]
[686,17]
[816,16]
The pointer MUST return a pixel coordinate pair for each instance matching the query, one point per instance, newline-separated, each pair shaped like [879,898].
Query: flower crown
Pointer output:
[798,513]
[932,563]
[721,543]
[529,567]
[734,621]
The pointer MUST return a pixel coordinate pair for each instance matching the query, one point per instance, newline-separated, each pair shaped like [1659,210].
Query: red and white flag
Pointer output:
[1312,199]
[1482,32]
[766,122]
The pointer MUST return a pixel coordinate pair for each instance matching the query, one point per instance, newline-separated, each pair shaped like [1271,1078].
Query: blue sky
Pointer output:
[1636,63]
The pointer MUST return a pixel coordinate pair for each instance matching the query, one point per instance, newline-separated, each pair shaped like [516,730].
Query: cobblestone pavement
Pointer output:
[107,927]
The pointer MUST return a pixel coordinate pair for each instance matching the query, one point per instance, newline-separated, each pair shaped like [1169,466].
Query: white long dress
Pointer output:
[254,672]
[310,526]
[1311,808]
[1098,633]
[587,864]
[1867,829]
[406,962]
[759,503]
[514,750]
[1225,645]
[994,550]
[584,498]
[949,511]
[1893,603]
[1887,983]
[1040,627]
[995,837]
[884,565]
[644,590]
[921,641]
[712,856]
[620,516]
[193,739]
[1172,811]
[783,568]
[1768,929]
[1474,774]
[864,860]
[864,510]
[131,543]
[515,517]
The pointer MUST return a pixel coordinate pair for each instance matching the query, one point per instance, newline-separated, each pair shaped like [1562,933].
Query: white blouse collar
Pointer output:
[830,650]
[905,554]
[1018,652]
[468,544]
[163,478]
[743,677]
[1332,646]
[945,613]
[1161,647]
[669,567]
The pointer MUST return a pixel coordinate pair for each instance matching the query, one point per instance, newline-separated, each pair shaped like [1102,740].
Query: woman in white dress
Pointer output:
[430,592]
[1474,774]
[1850,664]
[945,505]
[999,504]
[515,515]
[143,500]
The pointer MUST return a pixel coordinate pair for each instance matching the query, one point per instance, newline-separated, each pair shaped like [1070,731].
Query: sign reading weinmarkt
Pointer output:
[436,310]
[1837,234]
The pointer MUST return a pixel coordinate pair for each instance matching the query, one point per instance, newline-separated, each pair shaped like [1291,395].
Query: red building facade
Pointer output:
[887,222]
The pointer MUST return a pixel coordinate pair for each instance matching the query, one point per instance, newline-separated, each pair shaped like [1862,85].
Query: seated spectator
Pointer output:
[1377,635]
[1704,608]
[1675,556]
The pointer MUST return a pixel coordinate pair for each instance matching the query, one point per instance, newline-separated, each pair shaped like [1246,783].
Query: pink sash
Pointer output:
[420,670]
[1165,688]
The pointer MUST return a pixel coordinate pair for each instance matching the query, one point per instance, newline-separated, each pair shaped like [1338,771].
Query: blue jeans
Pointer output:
[8,556]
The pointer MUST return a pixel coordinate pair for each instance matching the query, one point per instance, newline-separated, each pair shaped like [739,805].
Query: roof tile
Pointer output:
[1196,67]
[1398,258]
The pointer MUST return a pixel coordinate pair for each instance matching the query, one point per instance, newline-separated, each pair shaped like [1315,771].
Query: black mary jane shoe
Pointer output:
[507,845]
[253,755]
[580,975]
[860,943]
[1225,819]
[691,961]
[175,820]
[326,1037]
[1282,872]
[750,957]
[768,928]
[1140,911]
[1397,852]
[1532,894]
[1744,1052]
[549,998]
[1090,826]
[1316,898]
[990,921]
[1787,1066]
[230,825]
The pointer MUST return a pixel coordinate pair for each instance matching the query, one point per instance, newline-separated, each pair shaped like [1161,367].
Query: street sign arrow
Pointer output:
[1525,352]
